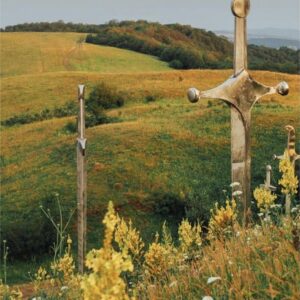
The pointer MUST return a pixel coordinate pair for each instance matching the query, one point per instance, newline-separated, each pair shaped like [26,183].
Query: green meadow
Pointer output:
[160,156]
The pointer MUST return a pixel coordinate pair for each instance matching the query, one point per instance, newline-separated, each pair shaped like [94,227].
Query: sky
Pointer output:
[207,14]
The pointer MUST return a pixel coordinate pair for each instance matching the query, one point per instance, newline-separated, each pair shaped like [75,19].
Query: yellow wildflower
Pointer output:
[159,258]
[222,219]
[105,282]
[264,199]
[289,180]
[189,236]
[10,294]
[128,238]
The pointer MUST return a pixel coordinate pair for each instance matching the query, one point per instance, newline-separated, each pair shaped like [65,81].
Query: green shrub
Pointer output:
[104,96]
[70,127]
[69,109]
[197,206]
[30,234]
[176,64]
[167,204]
[151,98]
[96,119]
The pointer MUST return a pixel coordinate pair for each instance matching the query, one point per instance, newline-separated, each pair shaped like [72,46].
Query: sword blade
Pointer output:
[240,45]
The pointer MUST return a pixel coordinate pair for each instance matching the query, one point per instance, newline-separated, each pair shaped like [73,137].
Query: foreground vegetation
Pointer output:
[220,261]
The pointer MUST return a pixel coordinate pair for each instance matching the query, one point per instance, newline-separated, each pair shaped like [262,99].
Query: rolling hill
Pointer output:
[182,46]
[159,156]
[36,53]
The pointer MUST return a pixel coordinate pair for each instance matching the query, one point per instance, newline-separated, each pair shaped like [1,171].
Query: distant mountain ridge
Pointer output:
[269,37]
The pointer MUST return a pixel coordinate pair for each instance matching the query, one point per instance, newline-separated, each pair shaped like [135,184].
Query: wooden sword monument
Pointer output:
[240,92]
[290,154]
[81,180]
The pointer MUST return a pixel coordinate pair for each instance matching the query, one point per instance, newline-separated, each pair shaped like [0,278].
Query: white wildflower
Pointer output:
[213,279]
[237,193]
[235,184]
[260,214]
[173,283]
[207,298]
[64,288]
[294,209]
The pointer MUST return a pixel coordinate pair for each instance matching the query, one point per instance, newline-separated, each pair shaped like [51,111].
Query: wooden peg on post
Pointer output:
[81,180]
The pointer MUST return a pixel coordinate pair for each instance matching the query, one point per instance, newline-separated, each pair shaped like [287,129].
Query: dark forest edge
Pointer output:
[182,46]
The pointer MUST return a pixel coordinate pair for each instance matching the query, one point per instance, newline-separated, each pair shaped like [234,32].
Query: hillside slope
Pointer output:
[185,47]
[182,46]
[36,53]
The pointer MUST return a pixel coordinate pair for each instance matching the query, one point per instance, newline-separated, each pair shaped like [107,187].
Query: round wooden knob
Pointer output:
[193,95]
[283,88]
[240,8]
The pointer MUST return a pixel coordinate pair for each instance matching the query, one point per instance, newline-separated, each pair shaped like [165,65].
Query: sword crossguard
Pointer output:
[81,90]
[267,185]
[240,86]
[290,151]
[82,143]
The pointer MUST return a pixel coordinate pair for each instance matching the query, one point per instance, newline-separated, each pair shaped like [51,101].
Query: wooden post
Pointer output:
[81,180]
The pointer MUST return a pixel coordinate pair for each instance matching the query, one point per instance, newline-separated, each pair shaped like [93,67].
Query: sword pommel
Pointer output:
[240,8]
[283,88]
[193,95]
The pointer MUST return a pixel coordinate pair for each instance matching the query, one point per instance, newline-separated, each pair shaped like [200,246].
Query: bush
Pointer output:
[70,127]
[69,109]
[168,204]
[102,97]
[197,206]
[36,237]
[151,98]
[94,120]
[176,64]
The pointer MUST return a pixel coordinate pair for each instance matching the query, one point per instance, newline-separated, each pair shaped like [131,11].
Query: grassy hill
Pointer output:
[182,46]
[36,53]
[167,152]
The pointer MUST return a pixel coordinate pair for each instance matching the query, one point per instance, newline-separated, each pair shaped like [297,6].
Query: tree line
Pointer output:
[182,46]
